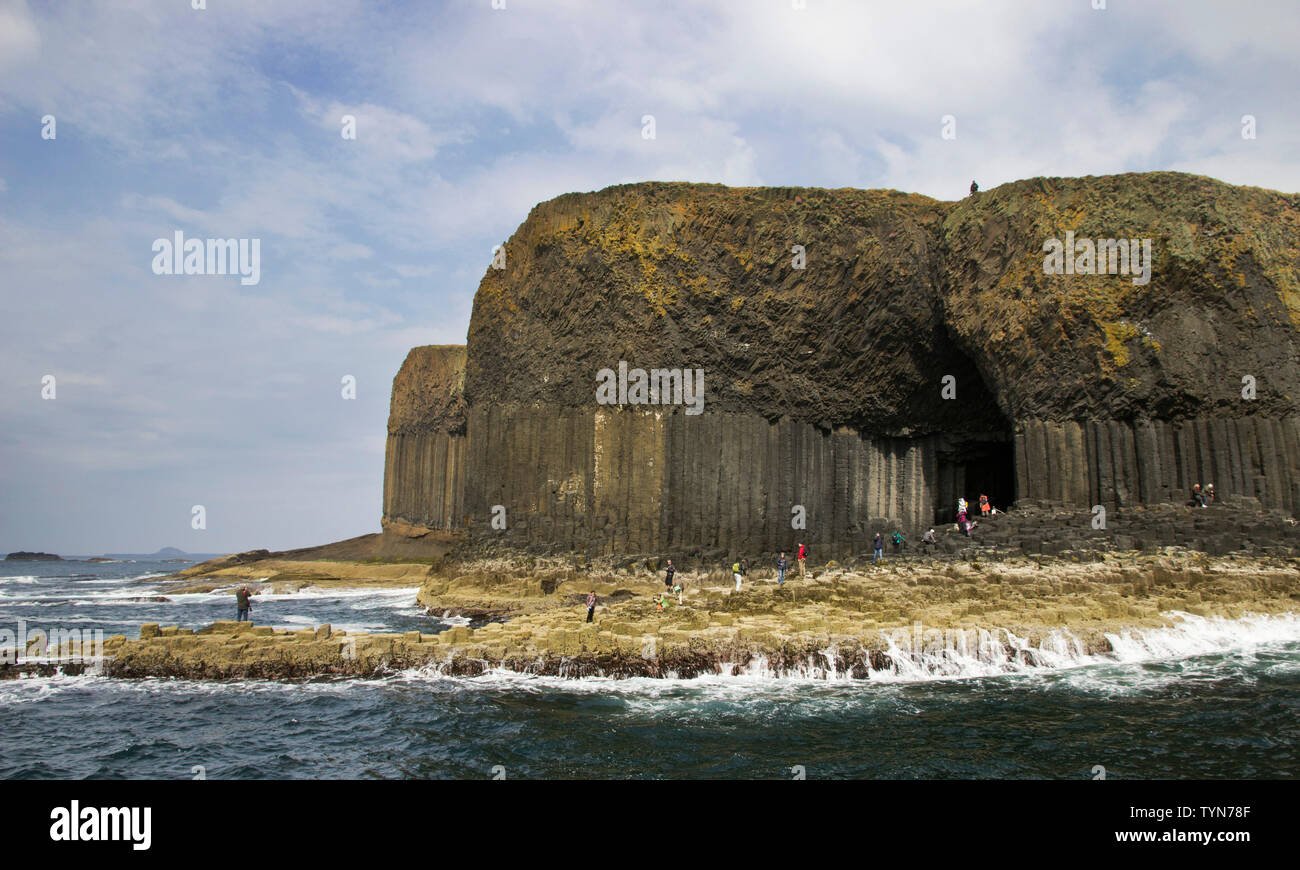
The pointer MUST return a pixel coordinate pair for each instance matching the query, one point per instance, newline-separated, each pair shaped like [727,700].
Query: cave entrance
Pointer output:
[975,450]
[972,466]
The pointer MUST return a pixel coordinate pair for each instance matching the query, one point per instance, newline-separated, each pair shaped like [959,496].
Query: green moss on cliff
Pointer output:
[899,290]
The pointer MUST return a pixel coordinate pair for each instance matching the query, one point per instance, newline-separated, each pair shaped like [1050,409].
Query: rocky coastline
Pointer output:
[526,614]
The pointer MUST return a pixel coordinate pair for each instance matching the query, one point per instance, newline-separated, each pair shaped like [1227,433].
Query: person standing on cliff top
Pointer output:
[591,604]
[803,554]
[974,188]
[242,604]
[780,570]
[668,574]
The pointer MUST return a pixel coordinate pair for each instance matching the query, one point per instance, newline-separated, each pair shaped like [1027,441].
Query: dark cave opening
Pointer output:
[976,452]
[978,465]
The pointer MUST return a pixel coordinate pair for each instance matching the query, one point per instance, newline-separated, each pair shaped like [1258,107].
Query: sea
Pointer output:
[1197,699]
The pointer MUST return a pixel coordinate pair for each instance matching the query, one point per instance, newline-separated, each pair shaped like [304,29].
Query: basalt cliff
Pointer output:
[920,354]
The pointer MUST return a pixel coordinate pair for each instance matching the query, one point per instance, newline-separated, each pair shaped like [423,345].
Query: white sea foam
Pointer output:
[370,597]
[986,654]
[970,655]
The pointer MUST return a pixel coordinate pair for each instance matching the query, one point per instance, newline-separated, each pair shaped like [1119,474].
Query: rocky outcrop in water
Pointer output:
[908,618]
[921,353]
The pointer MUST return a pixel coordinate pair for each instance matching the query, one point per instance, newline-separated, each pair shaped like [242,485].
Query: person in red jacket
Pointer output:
[985,507]
[803,554]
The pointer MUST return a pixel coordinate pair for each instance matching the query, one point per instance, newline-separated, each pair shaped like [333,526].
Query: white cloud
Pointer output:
[20,39]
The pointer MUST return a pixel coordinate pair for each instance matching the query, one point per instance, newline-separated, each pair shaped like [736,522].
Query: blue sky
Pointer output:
[175,391]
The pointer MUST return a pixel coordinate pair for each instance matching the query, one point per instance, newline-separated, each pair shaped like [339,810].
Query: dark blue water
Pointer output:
[1231,713]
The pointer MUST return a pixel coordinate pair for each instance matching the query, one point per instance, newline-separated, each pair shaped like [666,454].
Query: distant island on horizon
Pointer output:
[24,556]
[164,553]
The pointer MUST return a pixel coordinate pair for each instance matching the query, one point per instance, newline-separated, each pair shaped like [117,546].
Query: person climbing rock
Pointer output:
[878,545]
[242,604]
[780,570]
[928,540]
[668,574]
[963,522]
[591,604]
[803,554]
[898,541]
[1198,497]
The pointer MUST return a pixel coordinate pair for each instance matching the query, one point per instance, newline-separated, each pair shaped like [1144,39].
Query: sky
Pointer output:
[173,391]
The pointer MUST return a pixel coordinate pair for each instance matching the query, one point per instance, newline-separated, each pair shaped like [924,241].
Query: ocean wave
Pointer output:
[961,655]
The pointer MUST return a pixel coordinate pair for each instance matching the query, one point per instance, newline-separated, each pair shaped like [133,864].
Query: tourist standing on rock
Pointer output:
[242,604]
[591,604]
[878,546]
[803,554]
[668,574]
[738,571]
[780,570]
[985,507]
[1209,494]
[974,188]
